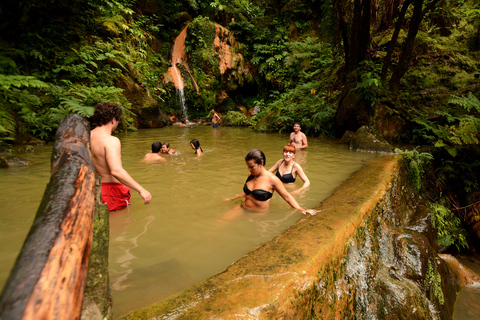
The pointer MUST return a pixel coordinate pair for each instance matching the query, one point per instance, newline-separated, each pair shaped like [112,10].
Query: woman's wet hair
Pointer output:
[290,148]
[195,143]
[257,155]
[166,144]
[156,146]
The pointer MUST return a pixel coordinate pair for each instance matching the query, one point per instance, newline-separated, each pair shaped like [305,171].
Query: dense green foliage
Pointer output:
[448,226]
[299,61]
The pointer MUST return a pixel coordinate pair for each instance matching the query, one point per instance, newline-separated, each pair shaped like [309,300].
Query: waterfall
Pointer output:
[181,99]
[178,54]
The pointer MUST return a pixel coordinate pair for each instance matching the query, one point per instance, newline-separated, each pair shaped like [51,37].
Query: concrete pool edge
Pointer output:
[269,277]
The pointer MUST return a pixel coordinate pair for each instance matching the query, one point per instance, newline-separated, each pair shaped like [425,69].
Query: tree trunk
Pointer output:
[406,55]
[356,44]
[393,41]
[48,279]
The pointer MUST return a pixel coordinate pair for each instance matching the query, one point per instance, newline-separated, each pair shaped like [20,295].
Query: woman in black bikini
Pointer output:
[260,185]
[288,170]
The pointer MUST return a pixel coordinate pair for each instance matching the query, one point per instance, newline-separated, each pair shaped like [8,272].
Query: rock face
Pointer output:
[13,161]
[213,67]
[149,114]
[365,140]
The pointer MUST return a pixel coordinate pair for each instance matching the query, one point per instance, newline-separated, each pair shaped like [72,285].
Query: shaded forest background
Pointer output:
[409,69]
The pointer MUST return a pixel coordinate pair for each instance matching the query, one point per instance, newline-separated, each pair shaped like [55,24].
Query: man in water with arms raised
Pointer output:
[107,159]
[298,138]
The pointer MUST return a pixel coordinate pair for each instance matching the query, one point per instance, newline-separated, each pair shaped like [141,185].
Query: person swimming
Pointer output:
[166,148]
[290,169]
[154,155]
[260,185]
[195,145]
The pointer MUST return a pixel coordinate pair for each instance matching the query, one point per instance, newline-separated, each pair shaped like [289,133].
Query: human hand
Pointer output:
[147,197]
[310,212]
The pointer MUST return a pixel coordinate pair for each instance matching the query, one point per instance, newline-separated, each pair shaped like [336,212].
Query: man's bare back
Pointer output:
[106,151]
[101,145]
[153,157]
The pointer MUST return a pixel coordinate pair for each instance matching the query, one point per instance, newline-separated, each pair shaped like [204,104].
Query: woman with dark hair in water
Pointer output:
[288,170]
[195,144]
[260,185]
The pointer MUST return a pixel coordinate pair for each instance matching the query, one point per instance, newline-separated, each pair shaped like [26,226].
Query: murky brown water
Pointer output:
[181,238]
[467,305]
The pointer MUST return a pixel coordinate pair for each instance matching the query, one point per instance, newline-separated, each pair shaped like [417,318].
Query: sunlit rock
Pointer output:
[365,140]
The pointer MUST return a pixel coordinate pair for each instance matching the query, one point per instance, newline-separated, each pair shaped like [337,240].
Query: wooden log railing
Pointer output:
[48,278]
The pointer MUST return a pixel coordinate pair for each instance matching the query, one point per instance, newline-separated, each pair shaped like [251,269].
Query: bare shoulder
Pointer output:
[272,178]
[111,141]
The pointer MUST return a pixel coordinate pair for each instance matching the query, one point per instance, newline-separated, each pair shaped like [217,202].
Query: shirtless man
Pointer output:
[166,148]
[215,119]
[298,138]
[154,156]
[107,159]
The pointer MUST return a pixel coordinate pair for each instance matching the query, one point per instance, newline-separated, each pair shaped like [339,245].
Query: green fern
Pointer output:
[448,227]
[468,103]
[415,163]
[18,81]
[433,283]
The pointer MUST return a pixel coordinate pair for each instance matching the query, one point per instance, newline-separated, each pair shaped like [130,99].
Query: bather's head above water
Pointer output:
[257,156]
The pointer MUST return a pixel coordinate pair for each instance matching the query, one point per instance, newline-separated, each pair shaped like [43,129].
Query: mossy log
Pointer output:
[48,278]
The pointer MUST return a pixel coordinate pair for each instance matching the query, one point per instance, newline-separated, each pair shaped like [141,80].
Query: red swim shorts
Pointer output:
[115,195]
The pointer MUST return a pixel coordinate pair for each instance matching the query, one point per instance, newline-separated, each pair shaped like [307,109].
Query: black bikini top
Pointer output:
[259,194]
[287,177]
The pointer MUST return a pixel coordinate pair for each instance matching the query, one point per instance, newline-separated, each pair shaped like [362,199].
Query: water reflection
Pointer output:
[126,243]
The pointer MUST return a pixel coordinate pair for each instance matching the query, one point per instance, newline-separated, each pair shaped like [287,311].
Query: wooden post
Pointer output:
[48,279]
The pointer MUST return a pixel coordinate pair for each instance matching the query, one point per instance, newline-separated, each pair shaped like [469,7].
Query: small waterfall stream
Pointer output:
[178,54]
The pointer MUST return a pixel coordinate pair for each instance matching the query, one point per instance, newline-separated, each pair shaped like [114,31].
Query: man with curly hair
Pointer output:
[107,159]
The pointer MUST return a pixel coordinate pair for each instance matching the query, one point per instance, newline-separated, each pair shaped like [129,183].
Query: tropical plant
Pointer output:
[448,227]
[415,164]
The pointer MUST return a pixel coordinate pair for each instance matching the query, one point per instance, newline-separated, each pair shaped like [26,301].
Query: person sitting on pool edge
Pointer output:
[260,185]
[290,169]
[166,148]
[154,155]
[195,145]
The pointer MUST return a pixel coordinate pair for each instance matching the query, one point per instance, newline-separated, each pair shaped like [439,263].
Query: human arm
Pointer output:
[275,166]
[304,142]
[241,195]
[280,188]
[303,176]
[113,158]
